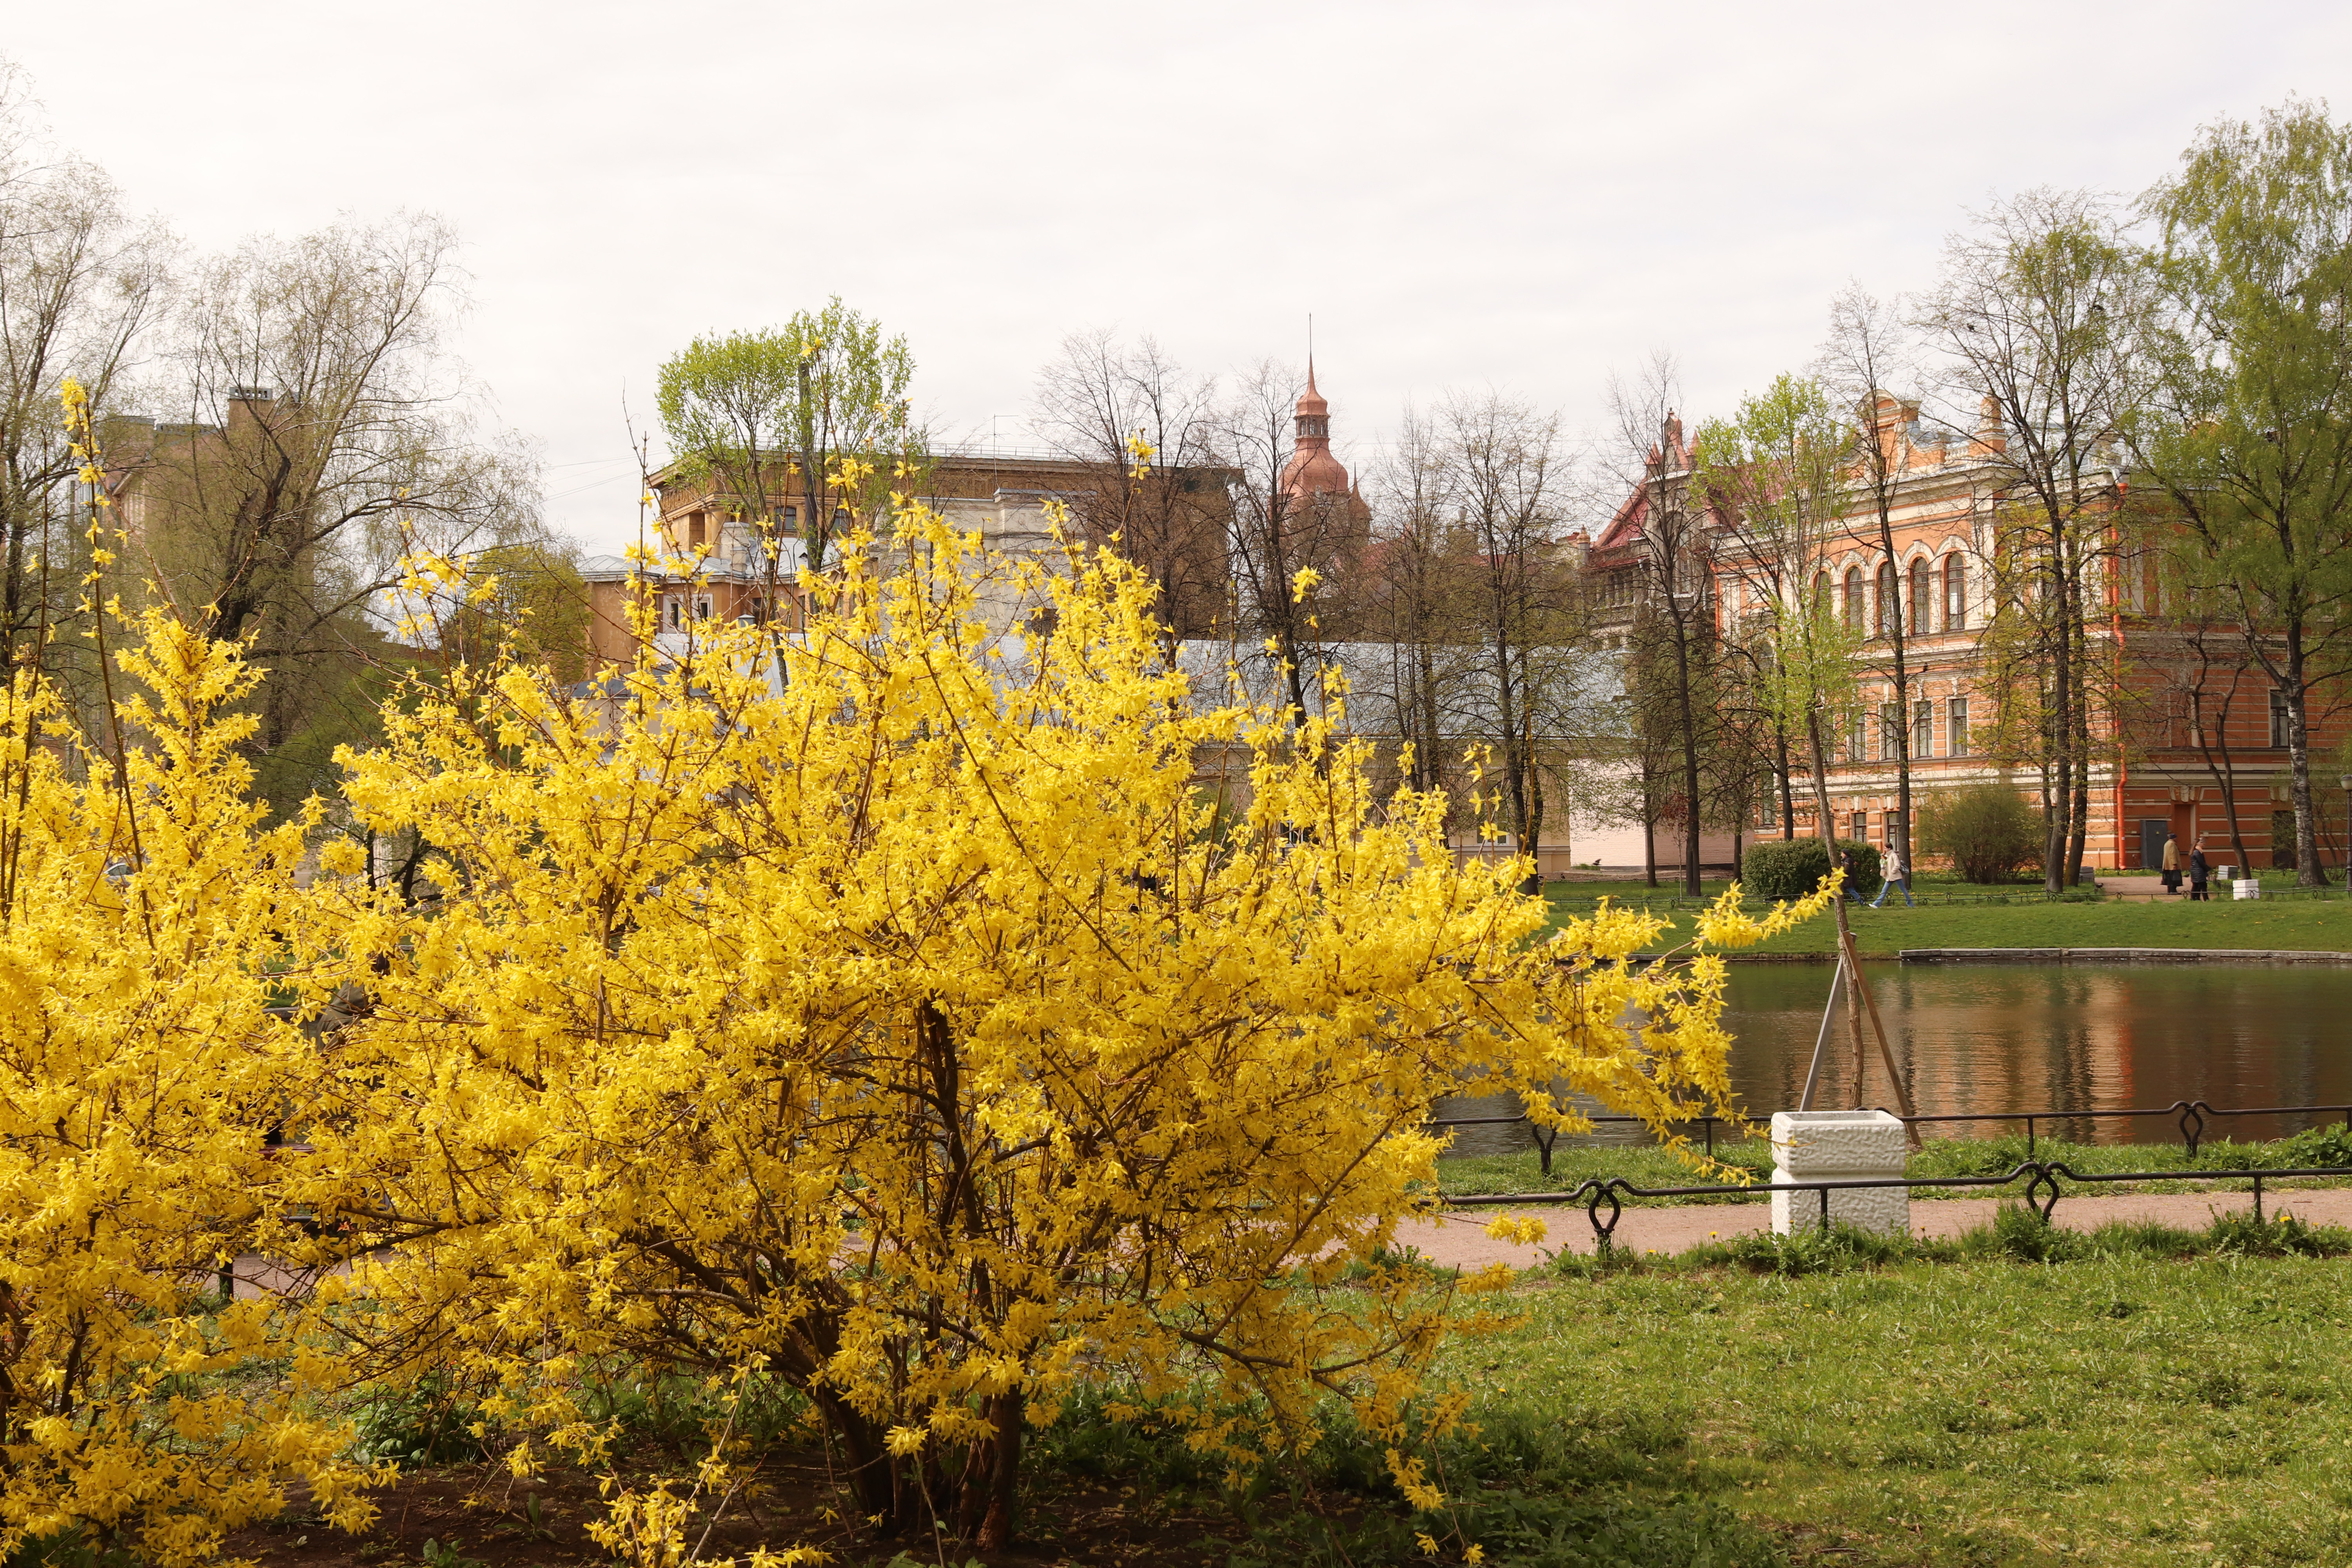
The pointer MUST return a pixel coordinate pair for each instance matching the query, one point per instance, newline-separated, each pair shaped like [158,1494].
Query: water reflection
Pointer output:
[2033,1037]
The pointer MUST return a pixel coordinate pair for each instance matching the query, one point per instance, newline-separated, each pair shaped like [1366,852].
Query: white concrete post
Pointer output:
[1839,1145]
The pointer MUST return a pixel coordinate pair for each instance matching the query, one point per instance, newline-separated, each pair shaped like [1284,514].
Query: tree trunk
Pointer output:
[2057,725]
[1648,830]
[2225,774]
[998,1522]
[2078,633]
[1690,754]
[1898,634]
[2308,871]
[1787,794]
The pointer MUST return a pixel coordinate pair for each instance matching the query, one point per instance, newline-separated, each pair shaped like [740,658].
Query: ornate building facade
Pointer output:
[2185,741]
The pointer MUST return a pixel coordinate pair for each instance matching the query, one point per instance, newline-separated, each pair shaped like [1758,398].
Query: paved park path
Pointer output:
[1460,1240]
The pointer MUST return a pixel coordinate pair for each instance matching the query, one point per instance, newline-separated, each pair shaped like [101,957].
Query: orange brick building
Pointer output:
[2176,706]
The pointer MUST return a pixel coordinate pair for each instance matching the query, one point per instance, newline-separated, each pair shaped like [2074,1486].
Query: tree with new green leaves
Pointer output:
[1672,684]
[1866,358]
[812,417]
[2033,320]
[2248,428]
[1780,472]
[534,610]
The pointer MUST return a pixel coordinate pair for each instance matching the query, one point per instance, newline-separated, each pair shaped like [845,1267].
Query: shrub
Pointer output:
[1986,829]
[1792,867]
[2327,1145]
[904,1016]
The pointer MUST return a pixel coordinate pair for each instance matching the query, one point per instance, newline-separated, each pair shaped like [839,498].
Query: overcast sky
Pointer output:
[1526,197]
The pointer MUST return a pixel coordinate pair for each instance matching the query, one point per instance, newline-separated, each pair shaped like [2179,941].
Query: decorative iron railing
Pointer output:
[2041,1178]
[2191,1114]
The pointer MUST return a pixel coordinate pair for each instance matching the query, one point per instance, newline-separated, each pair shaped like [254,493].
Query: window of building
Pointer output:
[1923,728]
[1884,613]
[1768,805]
[702,606]
[1956,591]
[2278,719]
[1854,597]
[694,539]
[1858,827]
[1956,719]
[1916,614]
[673,612]
[1890,732]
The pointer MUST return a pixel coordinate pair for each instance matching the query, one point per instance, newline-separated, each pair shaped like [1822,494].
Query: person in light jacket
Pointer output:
[1891,869]
[2171,864]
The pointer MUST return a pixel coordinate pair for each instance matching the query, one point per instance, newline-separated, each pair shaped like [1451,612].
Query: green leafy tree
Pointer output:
[813,415]
[2248,426]
[532,610]
[2031,317]
[1777,471]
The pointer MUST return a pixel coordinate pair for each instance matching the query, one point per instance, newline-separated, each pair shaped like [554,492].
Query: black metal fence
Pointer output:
[2191,1116]
[2041,1178]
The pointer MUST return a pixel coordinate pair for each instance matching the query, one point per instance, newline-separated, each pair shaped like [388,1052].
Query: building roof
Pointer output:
[1312,469]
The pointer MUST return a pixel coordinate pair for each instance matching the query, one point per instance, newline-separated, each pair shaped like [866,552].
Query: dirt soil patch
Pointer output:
[489,1517]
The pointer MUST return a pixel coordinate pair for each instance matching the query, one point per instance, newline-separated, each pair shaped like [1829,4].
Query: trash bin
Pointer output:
[2246,887]
[1839,1145]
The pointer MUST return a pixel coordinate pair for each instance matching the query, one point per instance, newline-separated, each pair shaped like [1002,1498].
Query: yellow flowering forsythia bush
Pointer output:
[888,1012]
[890,1009]
[140,1070]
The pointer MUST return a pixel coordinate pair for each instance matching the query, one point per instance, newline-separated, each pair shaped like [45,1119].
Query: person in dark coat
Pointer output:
[2199,871]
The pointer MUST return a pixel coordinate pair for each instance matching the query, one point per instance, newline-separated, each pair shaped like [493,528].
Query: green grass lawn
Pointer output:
[2017,1397]
[2304,924]
[2121,1410]
[2028,920]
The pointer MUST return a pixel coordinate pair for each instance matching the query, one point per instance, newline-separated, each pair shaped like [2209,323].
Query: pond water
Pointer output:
[2037,1036]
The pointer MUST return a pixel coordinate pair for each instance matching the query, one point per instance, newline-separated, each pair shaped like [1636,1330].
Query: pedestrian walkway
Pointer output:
[1460,1239]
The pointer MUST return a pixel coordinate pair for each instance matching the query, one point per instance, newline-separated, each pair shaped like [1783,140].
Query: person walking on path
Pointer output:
[1891,876]
[2171,864]
[2199,871]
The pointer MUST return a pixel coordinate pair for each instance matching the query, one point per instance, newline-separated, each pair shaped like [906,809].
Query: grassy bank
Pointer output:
[1649,1167]
[2301,924]
[2304,925]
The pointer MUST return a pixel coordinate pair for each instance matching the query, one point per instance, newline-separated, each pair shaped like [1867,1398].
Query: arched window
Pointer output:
[1883,612]
[1820,593]
[1918,613]
[1956,591]
[1854,597]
